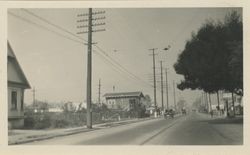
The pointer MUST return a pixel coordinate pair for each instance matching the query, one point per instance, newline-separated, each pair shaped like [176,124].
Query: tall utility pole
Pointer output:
[174,96]
[89,62]
[99,92]
[89,71]
[166,49]
[167,87]
[34,96]
[153,51]
[162,104]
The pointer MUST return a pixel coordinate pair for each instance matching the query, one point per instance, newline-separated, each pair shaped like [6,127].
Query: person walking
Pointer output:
[211,113]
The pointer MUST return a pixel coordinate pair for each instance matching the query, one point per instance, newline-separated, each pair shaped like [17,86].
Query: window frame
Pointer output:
[14,106]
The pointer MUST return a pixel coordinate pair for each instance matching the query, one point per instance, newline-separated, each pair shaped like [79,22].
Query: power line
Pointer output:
[61,28]
[50,23]
[108,62]
[43,27]
[117,63]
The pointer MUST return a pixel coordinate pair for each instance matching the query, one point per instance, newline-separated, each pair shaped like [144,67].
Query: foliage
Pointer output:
[147,101]
[74,118]
[36,120]
[181,104]
[212,58]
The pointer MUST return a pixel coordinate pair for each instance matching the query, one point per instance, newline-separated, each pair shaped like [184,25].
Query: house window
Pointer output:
[132,103]
[14,100]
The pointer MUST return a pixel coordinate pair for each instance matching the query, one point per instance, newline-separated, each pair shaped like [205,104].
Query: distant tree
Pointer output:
[68,107]
[181,104]
[147,100]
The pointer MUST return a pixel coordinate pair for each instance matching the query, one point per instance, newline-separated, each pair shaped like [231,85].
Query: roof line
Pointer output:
[19,66]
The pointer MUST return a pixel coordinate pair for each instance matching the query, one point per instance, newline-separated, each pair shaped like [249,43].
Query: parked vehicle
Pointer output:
[183,111]
[169,114]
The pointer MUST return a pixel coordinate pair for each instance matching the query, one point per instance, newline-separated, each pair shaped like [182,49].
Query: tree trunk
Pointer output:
[233,103]
[227,108]
[210,104]
[218,99]
[207,105]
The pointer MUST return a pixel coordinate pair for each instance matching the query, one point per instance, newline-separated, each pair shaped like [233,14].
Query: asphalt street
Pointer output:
[190,129]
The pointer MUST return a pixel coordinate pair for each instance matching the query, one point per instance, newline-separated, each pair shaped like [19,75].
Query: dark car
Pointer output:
[169,114]
[183,111]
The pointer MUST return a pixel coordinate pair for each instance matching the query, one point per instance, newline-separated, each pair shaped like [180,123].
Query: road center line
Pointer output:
[161,131]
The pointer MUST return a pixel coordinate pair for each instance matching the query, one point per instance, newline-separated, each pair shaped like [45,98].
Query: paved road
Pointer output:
[192,129]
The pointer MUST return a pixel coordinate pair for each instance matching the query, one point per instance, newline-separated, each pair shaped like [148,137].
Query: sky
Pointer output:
[55,62]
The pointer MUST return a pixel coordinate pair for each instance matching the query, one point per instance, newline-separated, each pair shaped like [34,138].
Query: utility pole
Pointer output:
[174,95]
[34,96]
[167,87]
[99,92]
[89,62]
[162,104]
[153,53]
[89,72]
[166,49]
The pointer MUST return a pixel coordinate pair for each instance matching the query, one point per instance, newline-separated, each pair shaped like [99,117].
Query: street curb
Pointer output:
[81,131]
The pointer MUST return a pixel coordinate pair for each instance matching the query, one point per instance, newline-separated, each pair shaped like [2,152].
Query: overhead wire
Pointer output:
[124,70]
[99,48]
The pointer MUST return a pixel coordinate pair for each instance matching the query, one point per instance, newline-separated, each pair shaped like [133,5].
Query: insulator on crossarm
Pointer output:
[80,15]
[82,20]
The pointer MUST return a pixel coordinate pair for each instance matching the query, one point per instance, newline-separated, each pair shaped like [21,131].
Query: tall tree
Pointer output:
[207,62]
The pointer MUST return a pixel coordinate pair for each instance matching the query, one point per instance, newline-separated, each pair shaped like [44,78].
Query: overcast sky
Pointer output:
[56,65]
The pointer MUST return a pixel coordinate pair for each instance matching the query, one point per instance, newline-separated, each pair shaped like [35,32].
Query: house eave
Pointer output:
[17,84]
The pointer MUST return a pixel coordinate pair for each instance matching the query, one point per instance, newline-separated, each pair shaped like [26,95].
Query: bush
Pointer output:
[60,123]
[36,120]
[43,122]
[29,122]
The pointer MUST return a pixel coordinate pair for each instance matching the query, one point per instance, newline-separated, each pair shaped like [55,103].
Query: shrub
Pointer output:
[43,122]
[29,122]
[60,123]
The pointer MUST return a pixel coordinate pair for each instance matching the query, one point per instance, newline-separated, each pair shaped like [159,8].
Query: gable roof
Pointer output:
[123,94]
[15,72]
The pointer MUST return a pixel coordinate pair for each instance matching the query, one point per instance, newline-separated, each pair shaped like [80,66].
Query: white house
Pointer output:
[17,83]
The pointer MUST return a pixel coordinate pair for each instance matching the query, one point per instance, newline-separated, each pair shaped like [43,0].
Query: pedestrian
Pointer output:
[211,113]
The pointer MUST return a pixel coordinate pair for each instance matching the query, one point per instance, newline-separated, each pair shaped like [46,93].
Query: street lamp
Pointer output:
[167,48]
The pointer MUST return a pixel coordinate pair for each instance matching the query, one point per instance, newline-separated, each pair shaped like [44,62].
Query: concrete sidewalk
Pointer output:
[229,128]
[25,136]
